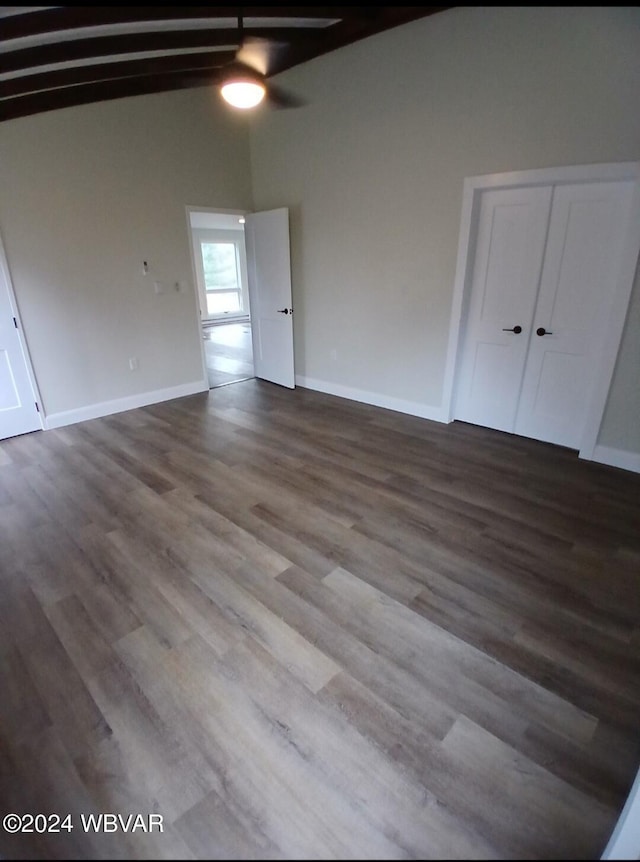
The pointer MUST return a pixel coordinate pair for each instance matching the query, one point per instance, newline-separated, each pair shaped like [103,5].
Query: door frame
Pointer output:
[22,338]
[472,192]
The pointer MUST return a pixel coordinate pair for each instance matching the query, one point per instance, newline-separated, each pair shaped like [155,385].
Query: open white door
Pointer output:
[269,275]
[18,411]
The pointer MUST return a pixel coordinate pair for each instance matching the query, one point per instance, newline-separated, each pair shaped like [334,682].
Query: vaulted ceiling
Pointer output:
[58,56]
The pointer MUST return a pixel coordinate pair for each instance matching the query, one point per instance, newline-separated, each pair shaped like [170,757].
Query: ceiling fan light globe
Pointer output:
[243,94]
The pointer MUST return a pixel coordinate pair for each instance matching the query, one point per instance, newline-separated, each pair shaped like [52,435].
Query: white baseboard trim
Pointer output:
[118,405]
[617,458]
[413,408]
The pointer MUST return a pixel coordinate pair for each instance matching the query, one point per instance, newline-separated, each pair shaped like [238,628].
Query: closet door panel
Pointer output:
[586,230]
[510,245]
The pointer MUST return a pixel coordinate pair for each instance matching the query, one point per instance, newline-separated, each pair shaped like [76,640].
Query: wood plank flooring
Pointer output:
[300,627]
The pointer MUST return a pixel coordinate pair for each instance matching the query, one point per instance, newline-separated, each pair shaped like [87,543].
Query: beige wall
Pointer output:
[621,422]
[373,167]
[87,194]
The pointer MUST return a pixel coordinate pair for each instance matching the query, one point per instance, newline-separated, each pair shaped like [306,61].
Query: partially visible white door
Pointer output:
[512,231]
[18,411]
[586,232]
[269,275]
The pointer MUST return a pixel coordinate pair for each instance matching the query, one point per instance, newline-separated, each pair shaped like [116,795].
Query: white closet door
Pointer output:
[510,247]
[586,230]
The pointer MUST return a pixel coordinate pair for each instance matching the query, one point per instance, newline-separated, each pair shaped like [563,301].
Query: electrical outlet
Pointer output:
[158,286]
[334,354]
[133,363]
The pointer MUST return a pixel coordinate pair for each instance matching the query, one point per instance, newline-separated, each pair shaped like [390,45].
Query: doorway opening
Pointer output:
[220,268]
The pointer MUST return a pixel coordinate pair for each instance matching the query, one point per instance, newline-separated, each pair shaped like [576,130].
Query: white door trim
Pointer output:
[4,266]
[473,187]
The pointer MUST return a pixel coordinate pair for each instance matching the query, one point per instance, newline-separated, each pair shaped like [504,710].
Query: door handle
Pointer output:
[516,329]
[542,331]
[285,310]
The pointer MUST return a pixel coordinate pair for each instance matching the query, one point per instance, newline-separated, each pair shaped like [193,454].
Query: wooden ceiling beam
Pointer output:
[174,63]
[36,103]
[368,21]
[103,46]
[74,17]
[375,19]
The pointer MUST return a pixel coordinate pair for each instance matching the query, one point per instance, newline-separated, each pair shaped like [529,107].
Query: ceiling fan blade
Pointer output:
[262,55]
[281,98]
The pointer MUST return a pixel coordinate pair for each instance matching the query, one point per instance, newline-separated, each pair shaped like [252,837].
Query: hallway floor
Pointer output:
[229,353]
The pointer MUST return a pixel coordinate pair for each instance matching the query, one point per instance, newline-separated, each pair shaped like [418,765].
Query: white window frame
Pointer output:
[215,235]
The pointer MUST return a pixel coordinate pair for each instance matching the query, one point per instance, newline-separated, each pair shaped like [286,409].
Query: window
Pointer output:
[220,268]
[221,277]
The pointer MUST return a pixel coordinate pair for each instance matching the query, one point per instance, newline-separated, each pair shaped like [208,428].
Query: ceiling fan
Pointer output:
[244,81]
